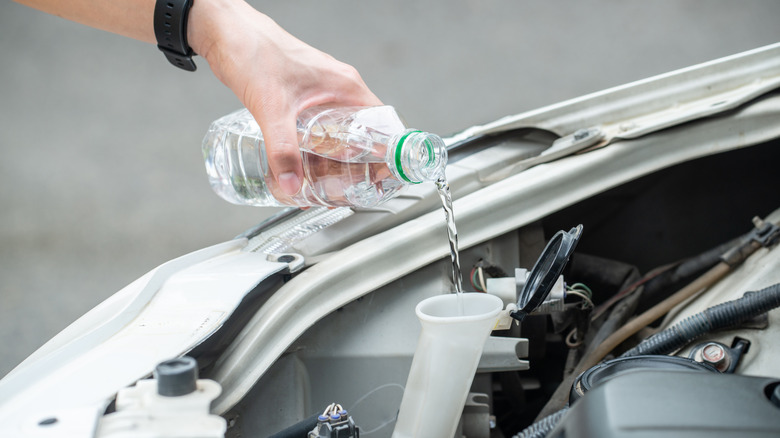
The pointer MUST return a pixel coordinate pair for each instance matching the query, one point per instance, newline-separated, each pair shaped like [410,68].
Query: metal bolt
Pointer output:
[582,134]
[715,355]
[287,258]
[294,261]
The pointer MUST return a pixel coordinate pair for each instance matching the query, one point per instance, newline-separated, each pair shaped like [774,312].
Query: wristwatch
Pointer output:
[170,29]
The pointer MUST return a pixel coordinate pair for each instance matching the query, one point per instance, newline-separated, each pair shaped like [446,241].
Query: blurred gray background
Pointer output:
[101,175]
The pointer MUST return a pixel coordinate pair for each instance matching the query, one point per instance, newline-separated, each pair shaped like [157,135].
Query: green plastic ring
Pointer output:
[398,164]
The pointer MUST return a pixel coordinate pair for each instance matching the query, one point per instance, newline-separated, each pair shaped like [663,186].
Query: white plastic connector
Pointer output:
[503,288]
[509,288]
[554,301]
[505,319]
[141,412]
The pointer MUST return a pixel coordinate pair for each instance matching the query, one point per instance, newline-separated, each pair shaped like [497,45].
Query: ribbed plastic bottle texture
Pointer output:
[352,156]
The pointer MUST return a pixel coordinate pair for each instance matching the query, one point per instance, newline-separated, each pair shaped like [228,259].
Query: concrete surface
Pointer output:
[101,176]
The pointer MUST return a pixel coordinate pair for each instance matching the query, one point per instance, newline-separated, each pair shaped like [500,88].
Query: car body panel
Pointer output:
[163,314]
[505,175]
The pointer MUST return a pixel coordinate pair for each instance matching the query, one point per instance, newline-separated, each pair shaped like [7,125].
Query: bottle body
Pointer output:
[352,156]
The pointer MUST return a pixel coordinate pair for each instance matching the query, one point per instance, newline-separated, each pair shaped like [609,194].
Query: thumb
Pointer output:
[282,151]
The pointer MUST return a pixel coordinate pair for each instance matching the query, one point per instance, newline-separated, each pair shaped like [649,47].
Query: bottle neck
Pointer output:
[417,156]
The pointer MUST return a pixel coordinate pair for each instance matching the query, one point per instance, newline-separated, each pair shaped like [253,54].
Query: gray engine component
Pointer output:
[655,403]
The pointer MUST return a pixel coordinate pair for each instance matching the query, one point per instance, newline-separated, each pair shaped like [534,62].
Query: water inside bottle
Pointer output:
[445,195]
[337,183]
[344,160]
[236,173]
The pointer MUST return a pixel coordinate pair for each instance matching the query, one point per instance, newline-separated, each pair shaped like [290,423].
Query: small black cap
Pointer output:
[776,396]
[176,377]
[546,271]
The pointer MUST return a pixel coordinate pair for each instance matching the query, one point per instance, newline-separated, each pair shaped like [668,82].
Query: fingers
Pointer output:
[281,146]
[279,108]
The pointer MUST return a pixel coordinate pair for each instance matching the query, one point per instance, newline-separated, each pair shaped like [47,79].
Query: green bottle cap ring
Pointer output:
[398,164]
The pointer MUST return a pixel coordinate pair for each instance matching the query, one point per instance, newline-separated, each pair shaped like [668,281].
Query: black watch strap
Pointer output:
[170,29]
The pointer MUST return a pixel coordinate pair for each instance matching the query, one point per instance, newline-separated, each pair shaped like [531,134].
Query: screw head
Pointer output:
[716,355]
[582,134]
[713,353]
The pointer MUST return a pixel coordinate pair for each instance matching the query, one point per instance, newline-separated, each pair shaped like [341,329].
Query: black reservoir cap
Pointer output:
[176,377]
[546,271]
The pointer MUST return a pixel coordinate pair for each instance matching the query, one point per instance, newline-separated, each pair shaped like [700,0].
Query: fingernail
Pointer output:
[290,183]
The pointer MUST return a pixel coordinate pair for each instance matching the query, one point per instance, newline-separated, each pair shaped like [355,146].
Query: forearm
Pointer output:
[135,18]
[131,18]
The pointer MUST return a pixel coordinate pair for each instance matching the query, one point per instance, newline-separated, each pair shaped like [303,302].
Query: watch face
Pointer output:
[546,271]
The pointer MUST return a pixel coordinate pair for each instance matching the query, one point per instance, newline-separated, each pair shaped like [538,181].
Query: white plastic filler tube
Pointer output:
[444,362]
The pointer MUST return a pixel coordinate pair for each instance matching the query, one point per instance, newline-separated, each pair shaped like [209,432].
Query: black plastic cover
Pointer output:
[664,403]
[546,271]
[610,369]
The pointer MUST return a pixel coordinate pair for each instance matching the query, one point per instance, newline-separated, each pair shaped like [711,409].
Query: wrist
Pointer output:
[212,22]
[200,26]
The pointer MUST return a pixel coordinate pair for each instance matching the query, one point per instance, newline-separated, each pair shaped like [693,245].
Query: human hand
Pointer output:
[275,76]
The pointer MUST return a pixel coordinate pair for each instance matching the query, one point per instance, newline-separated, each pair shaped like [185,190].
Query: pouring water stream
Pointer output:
[443,189]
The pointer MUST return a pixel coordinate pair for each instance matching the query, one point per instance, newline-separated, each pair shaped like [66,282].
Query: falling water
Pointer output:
[452,233]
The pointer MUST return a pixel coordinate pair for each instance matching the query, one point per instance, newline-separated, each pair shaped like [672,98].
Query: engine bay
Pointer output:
[642,243]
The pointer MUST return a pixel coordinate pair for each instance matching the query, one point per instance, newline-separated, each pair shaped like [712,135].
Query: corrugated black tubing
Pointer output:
[723,315]
[541,428]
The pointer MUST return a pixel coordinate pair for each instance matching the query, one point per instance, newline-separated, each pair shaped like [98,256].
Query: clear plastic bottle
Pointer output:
[352,156]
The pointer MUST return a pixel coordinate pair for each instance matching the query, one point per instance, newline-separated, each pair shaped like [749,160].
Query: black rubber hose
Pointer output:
[541,428]
[723,315]
[660,287]
[298,430]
